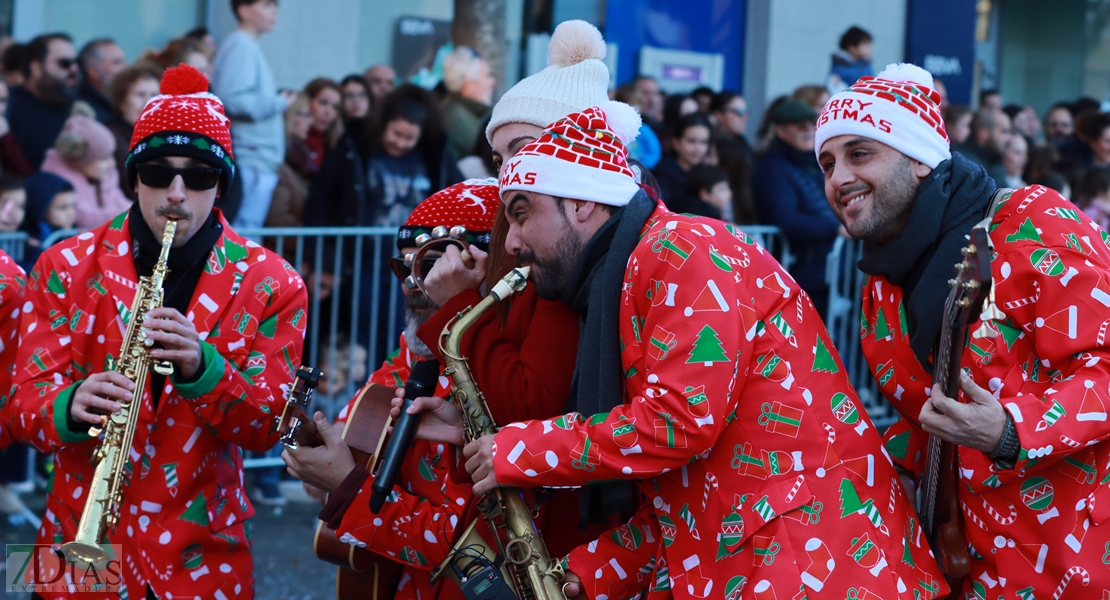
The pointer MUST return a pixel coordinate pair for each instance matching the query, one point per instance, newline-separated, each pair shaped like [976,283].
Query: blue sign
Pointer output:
[940,37]
[715,26]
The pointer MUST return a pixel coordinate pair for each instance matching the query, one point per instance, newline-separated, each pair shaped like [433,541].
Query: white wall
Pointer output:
[803,34]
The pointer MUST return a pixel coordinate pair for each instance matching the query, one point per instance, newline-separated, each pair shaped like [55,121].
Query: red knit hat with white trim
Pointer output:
[184,120]
[469,206]
[582,157]
[898,107]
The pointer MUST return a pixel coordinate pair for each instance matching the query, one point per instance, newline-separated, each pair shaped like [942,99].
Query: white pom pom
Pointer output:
[623,120]
[574,42]
[907,72]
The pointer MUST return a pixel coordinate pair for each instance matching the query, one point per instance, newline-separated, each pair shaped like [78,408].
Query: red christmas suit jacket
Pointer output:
[183,516]
[12,281]
[523,369]
[739,425]
[1039,527]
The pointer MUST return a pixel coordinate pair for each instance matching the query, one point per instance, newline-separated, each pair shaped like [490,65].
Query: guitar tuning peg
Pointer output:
[984,332]
[963,251]
[951,283]
[991,312]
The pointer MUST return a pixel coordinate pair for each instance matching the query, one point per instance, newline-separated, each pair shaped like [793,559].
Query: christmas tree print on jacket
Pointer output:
[183,516]
[1039,527]
[739,427]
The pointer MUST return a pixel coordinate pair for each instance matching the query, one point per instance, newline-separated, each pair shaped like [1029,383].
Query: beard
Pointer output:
[418,308]
[56,91]
[551,274]
[891,203]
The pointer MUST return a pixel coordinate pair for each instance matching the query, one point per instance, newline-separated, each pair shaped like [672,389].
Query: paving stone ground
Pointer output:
[285,568]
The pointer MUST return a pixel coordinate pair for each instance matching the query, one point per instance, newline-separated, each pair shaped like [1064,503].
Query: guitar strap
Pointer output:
[1000,195]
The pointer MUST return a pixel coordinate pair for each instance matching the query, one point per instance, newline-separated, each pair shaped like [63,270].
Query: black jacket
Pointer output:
[35,123]
[338,194]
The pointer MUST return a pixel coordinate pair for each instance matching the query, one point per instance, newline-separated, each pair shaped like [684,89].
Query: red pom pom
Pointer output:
[182,80]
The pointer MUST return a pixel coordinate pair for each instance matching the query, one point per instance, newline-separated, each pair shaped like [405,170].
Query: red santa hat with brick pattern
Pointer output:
[464,211]
[898,107]
[583,156]
[183,120]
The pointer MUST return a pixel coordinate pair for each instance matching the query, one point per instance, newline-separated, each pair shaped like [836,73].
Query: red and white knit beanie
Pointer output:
[898,107]
[184,120]
[464,211]
[583,156]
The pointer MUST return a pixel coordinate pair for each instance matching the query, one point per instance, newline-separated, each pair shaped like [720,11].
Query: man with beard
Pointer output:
[705,376]
[100,61]
[991,129]
[417,524]
[38,109]
[182,525]
[1031,421]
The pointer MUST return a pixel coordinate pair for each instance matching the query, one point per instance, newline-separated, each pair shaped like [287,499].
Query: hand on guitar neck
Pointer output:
[324,466]
[977,424]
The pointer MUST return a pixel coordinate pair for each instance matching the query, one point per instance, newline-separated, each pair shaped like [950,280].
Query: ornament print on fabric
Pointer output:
[733,389]
[1033,530]
[183,524]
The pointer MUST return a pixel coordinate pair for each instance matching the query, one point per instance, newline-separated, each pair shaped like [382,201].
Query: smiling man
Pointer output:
[1031,424]
[705,376]
[232,323]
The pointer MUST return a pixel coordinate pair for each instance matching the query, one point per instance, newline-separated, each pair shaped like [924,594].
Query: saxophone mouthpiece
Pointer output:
[524,271]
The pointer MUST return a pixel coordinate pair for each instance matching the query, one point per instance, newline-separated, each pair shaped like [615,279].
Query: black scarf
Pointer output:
[921,260]
[595,292]
[185,265]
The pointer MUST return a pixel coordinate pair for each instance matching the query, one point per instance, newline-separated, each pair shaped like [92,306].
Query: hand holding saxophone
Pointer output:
[454,272]
[179,339]
[479,463]
[100,394]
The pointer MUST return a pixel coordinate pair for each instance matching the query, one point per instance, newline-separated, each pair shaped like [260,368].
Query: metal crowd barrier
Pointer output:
[845,283]
[347,260]
[13,243]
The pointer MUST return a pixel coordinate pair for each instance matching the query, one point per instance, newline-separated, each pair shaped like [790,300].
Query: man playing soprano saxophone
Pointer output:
[232,324]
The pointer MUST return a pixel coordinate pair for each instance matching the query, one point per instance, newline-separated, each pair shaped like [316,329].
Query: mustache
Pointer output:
[525,257]
[171,212]
[852,190]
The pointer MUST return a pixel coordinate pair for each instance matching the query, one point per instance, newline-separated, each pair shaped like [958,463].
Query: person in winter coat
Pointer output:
[84,155]
[50,207]
[851,61]
[294,175]
[131,89]
[182,528]
[1030,421]
[690,145]
[705,377]
[789,193]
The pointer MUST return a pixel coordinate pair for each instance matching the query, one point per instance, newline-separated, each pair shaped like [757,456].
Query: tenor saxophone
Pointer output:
[527,565]
[102,506]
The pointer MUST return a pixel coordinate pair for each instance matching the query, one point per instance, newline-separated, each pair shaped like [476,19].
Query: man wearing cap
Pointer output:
[705,377]
[182,517]
[789,193]
[1031,420]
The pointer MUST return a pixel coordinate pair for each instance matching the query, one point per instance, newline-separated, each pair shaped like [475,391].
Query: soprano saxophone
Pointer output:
[102,506]
[527,566]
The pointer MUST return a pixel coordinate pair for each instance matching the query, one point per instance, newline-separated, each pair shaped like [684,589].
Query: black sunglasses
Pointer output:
[402,271]
[66,63]
[197,179]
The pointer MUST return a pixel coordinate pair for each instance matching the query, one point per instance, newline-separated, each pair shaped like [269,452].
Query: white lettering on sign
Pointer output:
[942,65]
[410,26]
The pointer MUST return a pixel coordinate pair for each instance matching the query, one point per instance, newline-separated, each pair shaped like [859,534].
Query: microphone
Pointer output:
[422,382]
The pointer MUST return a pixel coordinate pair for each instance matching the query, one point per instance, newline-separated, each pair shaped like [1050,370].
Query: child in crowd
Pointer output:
[709,184]
[84,155]
[692,138]
[1094,196]
[51,207]
[13,203]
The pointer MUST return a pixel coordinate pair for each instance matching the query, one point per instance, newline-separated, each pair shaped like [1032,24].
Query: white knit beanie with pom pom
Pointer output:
[897,107]
[583,156]
[575,79]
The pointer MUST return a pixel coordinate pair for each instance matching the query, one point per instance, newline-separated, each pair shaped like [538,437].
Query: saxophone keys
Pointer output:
[163,367]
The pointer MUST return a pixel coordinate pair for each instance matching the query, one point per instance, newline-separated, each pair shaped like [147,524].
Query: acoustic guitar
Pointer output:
[362,573]
[940,505]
